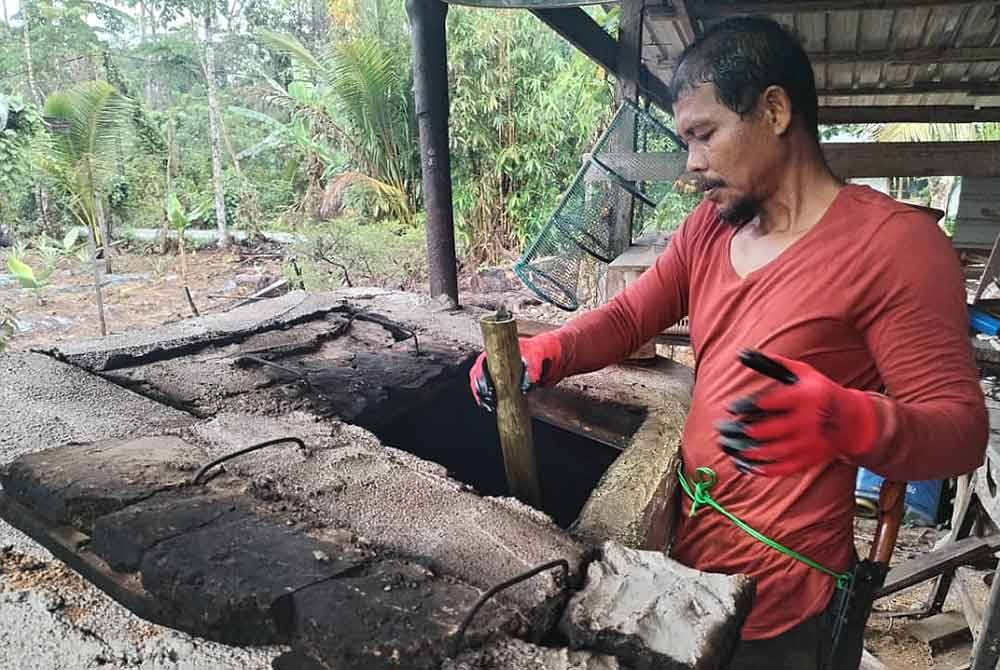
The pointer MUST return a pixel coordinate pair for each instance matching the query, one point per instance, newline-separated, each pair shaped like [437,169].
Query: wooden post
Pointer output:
[430,93]
[626,88]
[503,355]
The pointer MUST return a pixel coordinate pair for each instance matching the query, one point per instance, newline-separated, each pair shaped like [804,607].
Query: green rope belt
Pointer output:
[700,496]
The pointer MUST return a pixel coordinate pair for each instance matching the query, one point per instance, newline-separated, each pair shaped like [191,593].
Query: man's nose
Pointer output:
[696,160]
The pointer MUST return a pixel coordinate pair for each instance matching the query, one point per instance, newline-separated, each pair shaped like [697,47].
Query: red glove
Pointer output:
[807,422]
[540,355]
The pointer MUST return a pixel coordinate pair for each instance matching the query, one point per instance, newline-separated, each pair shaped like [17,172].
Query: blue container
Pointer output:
[982,322]
[922,498]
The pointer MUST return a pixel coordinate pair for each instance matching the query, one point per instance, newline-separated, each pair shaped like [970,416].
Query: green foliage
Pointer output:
[15,153]
[525,107]
[360,104]
[673,209]
[84,148]
[29,277]
[346,253]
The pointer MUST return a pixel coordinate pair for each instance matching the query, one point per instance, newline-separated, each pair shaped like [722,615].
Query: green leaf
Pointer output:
[69,242]
[25,275]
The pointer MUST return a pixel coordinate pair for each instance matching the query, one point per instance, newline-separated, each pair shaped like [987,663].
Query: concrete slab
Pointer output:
[45,403]
[183,337]
[402,505]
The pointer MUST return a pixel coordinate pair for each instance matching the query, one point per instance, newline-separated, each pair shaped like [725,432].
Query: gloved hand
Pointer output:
[807,422]
[539,355]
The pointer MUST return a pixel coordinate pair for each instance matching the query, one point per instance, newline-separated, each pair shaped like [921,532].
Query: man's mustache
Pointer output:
[704,184]
[696,183]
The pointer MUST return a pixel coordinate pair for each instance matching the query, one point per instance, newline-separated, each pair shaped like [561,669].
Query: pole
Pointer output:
[503,356]
[430,88]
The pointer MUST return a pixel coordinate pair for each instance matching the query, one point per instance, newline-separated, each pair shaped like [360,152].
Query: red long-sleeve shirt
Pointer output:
[873,297]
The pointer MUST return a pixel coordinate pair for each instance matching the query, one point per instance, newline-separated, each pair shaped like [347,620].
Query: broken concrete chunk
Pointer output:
[514,654]
[76,484]
[653,612]
[386,616]
[223,581]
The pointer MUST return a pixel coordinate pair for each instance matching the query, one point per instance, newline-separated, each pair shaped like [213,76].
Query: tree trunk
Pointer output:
[171,148]
[97,280]
[208,64]
[102,224]
[41,194]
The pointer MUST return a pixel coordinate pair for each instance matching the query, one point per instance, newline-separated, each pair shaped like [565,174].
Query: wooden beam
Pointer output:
[576,26]
[847,159]
[683,18]
[626,89]
[913,159]
[923,56]
[708,9]
[970,88]
[933,563]
[907,114]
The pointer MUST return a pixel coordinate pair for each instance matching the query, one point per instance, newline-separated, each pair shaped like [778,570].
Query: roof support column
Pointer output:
[430,87]
[626,88]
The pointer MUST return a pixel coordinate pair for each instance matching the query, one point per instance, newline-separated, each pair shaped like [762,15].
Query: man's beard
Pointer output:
[737,214]
[740,212]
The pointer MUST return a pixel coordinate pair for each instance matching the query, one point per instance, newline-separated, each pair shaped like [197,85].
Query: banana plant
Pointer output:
[28,278]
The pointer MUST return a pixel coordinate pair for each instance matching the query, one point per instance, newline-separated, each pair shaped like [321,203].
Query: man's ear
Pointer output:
[776,107]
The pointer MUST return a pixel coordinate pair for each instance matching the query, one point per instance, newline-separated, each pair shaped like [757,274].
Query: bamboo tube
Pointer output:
[503,356]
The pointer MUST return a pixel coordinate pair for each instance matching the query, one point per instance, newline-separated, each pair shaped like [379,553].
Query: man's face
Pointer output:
[733,159]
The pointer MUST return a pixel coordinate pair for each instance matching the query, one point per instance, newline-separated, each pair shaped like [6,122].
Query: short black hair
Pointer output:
[742,56]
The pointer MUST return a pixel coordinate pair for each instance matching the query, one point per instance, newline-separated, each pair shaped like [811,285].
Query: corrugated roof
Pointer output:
[939,57]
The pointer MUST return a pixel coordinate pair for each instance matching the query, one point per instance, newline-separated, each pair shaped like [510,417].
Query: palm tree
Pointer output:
[361,102]
[81,153]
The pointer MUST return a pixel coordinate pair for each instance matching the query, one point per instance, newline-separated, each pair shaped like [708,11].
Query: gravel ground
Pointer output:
[50,619]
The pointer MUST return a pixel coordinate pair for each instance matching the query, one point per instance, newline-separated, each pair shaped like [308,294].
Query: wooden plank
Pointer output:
[846,159]
[986,651]
[940,631]
[936,562]
[975,89]
[626,89]
[965,579]
[831,114]
[712,9]
[911,56]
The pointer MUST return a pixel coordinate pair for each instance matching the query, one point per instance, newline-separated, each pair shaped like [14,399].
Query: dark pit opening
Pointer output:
[452,431]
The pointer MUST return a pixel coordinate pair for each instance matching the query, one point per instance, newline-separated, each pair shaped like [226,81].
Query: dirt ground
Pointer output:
[146,290]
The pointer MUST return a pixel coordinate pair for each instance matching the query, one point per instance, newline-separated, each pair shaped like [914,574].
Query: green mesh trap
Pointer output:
[583,220]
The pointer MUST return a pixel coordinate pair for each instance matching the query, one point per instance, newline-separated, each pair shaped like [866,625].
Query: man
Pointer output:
[849,290]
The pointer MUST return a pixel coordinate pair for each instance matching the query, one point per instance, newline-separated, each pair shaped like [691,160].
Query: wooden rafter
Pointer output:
[682,19]
[923,56]
[708,9]
[967,87]
[846,159]
[907,114]
[576,26]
